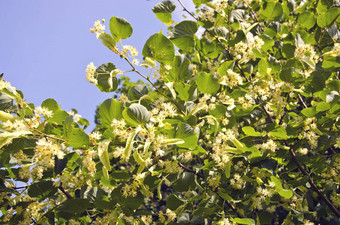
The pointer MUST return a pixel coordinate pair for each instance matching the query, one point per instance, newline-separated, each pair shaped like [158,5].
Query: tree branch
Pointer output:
[153,85]
[65,192]
[190,170]
[301,100]
[311,182]
[46,135]
[284,111]
[268,116]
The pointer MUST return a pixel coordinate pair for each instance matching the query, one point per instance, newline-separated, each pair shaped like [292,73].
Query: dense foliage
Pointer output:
[238,123]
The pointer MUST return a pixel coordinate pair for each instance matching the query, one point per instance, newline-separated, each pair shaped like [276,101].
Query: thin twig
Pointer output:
[190,170]
[46,135]
[185,9]
[331,149]
[269,116]
[19,187]
[153,85]
[311,182]
[301,100]
[252,13]
[284,112]
[233,208]
[65,192]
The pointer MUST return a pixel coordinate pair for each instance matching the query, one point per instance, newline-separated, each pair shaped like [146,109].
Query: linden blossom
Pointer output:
[98,27]
[239,128]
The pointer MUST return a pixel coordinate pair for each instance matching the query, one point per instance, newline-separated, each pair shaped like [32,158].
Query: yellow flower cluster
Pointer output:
[98,27]
[90,73]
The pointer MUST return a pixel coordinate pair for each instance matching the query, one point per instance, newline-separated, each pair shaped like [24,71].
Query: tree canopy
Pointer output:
[235,121]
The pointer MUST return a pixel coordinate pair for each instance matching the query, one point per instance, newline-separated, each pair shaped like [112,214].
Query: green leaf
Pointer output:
[184,182]
[163,10]
[76,205]
[334,85]
[184,91]
[271,10]
[317,81]
[263,66]
[138,158]
[246,221]
[42,190]
[185,132]
[225,67]
[182,35]
[323,106]
[110,109]
[331,63]
[240,36]
[279,133]
[50,104]
[288,50]
[306,19]
[58,116]
[250,131]
[59,164]
[148,63]
[120,175]
[159,48]
[6,116]
[227,169]
[173,141]
[208,48]
[207,83]
[136,114]
[286,74]
[5,101]
[7,137]
[173,202]
[138,91]
[78,139]
[224,195]
[107,81]
[181,69]
[286,193]
[92,194]
[103,154]
[120,28]
[129,143]
[309,112]
[326,19]
[107,41]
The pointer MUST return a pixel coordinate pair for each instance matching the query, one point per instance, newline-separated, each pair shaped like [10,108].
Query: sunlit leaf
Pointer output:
[76,205]
[306,19]
[106,80]
[181,69]
[159,48]
[136,114]
[163,10]
[182,35]
[110,109]
[120,28]
[271,10]
[103,154]
[250,131]
[327,18]
[207,83]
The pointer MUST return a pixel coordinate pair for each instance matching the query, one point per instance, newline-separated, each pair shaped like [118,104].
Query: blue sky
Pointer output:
[45,46]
